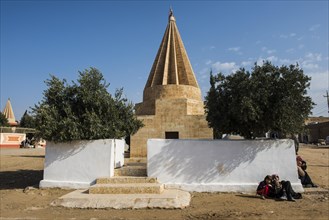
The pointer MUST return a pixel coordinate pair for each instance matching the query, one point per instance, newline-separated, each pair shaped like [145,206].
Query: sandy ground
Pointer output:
[22,169]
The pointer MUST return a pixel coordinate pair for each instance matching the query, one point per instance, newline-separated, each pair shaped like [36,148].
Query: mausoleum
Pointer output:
[9,136]
[9,114]
[172,106]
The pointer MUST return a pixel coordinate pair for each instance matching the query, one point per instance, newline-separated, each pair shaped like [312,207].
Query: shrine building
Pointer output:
[172,106]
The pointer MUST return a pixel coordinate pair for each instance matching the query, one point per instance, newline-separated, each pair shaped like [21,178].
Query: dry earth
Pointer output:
[22,169]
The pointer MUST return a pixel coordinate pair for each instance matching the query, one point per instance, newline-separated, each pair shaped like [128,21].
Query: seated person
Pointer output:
[264,188]
[283,190]
[302,174]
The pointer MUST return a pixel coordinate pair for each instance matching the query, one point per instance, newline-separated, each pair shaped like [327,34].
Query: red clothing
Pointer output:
[264,189]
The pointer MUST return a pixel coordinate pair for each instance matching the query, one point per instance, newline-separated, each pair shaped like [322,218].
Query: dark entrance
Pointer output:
[172,135]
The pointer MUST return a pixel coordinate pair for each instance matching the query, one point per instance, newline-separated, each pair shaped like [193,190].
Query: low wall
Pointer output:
[79,163]
[221,165]
[11,140]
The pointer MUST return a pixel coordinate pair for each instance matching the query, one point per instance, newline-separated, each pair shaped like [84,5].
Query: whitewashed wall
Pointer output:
[220,165]
[79,163]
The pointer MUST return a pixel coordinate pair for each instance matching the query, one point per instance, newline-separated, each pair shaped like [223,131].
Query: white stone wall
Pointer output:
[78,164]
[220,165]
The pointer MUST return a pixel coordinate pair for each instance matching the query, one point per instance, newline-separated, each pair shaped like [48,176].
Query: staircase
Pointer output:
[126,185]
[129,179]
[129,188]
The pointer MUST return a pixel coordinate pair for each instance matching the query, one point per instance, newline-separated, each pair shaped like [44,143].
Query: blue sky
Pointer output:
[121,39]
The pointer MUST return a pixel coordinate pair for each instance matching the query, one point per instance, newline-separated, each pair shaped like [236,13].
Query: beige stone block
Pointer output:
[127,188]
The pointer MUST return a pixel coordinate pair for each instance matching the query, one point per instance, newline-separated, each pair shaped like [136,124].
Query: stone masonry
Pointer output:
[172,104]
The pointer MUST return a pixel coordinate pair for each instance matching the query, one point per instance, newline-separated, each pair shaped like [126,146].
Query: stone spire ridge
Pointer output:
[171,65]
[9,113]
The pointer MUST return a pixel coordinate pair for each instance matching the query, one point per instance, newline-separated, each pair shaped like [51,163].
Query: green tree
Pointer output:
[84,110]
[3,120]
[27,121]
[214,114]
[270,98]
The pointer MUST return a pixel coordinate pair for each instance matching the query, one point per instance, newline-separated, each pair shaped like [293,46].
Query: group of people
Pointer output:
[273,187]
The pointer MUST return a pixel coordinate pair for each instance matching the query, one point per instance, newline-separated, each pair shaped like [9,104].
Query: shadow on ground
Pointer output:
[32,156]
[249,196]
[20,179]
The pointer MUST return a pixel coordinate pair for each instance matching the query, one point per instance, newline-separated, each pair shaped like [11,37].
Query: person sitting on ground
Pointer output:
[302,174]
[265,189]
[283,189]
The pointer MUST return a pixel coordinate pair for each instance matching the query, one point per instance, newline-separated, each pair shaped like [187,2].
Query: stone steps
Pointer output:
[131,170]
[129,179]
[125,179]
[130,188]
[127,188]
[169,199]
[130,164]
[135,160]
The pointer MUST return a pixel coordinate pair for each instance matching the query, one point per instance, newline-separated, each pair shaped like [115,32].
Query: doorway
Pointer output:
[172,135]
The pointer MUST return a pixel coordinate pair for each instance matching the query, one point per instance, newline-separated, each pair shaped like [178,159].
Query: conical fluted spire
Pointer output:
[171,65]
[9,113]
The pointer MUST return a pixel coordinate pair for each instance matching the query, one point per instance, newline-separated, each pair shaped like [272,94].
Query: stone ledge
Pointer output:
[169,199]
[127,188]
[131,171]
[126,179]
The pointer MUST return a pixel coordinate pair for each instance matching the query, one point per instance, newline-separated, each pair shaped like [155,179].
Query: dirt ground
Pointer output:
[22,169]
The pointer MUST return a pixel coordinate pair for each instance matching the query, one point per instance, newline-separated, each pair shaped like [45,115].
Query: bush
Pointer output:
[3,120]
[84,110]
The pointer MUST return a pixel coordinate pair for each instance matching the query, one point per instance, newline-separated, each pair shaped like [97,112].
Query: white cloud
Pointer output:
[267,50]
[285,61]
[235,49]
[301,46]
[314,56]
[311,60]
[288,35]
[224,67]
[319,80]
[308,65]
[272,58]
[260,61]
[317,90]
[203,76]
[271,51]
[208,62]
[204,73]
[314,27]
[246,63]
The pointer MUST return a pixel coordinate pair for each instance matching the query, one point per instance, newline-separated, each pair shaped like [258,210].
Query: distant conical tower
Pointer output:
[9,113]
[171,65]
[172,105]
[171,75]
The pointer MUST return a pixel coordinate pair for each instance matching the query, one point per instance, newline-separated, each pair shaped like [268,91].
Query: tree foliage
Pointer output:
[3,120]
[84,110]
[269,98]
[27,121]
